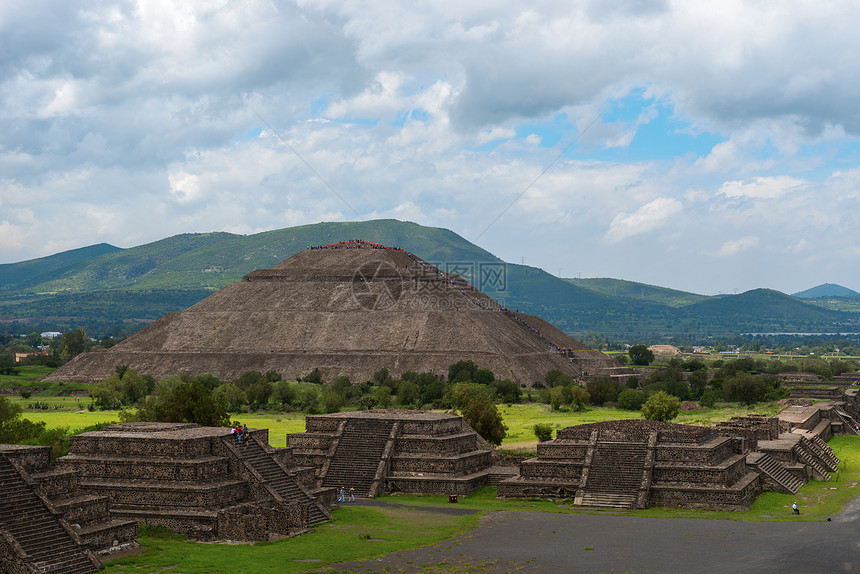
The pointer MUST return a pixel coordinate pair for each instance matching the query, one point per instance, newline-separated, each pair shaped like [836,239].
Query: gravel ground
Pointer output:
[530,542]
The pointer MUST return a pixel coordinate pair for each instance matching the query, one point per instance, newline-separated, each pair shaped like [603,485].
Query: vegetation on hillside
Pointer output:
[101,289]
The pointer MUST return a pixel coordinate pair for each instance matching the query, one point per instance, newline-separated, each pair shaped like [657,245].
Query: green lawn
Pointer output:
[520,419]
[355,533]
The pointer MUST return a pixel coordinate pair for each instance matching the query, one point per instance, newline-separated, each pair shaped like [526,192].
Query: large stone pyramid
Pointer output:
[348,308]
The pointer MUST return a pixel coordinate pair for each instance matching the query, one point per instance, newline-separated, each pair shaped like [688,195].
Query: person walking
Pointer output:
[795,509]
[351,494]
[341,494]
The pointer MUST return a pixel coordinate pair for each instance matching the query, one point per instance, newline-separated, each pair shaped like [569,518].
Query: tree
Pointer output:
[283,393]
[7,364]
[661,406]
[543,431]
[507,391]
[462,371]
[483,416]
[382,376]
[249,378]
[231,396]
[603,389]
[331,401]
[631,399]
[640,355]
[258,393]
[178,401]
[483,376]
[745,388]
[74,342]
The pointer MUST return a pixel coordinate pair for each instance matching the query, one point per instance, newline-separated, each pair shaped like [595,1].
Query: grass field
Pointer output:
[355,533]
[520,418]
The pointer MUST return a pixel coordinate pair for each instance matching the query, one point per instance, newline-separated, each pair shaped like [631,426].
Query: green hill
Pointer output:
[35,271]
[826,290]
[107,288]
[639,291]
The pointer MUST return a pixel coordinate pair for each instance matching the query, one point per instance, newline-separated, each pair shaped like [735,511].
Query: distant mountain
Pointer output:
[826,290]
[104,287]
[642,291]
[35,271]
[767,311]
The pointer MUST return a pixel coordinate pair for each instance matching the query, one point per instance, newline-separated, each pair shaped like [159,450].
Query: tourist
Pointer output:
[341,497]
[244,432]
[795,509]
[351,494]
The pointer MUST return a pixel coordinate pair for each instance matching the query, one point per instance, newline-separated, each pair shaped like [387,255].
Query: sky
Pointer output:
[708,147]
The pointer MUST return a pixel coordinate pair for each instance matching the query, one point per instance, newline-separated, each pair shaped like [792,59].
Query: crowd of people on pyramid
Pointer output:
[486,304]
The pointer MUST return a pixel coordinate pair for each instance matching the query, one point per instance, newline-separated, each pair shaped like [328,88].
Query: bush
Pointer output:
[507,391]
[461,371]
[543,431]
[631,400]
[661,406]
[603,389]
[745,388]
[331,401]
[709,398]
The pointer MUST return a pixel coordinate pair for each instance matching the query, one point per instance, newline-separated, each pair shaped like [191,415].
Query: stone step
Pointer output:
[607,500]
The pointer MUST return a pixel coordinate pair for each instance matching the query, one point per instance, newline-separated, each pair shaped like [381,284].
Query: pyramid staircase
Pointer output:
[824,452]
[254,455]
[613,476]
[39,536]
[771,468]
[808,457]
[849,421]
[359,460]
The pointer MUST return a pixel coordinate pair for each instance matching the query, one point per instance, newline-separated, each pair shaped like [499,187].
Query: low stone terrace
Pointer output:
[393,451]
[195,480]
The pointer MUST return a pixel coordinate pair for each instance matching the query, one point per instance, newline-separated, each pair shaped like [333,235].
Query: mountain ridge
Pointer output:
[146,281]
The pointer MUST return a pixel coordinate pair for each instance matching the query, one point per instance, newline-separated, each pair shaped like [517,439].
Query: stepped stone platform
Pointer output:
[636,463]
[197,481]
[47,523]
[380,451]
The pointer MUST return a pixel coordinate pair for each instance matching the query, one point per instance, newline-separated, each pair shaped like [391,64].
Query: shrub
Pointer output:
[661,406]
[603,389]
[744,388]
[631,399]
[709,398]
[543,431]
[331,401]
[462,371]
[507,391]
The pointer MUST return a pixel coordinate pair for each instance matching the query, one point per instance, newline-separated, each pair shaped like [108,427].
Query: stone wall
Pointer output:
[12,557]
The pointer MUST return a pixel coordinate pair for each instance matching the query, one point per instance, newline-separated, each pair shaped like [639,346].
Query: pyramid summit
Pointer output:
[347,308]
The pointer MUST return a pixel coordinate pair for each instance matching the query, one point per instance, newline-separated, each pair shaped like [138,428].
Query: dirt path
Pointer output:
[525,543]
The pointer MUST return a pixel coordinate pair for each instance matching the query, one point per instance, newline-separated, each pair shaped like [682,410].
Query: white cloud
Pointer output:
[735,246]
[126,122]
[761,187]
[649,217]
